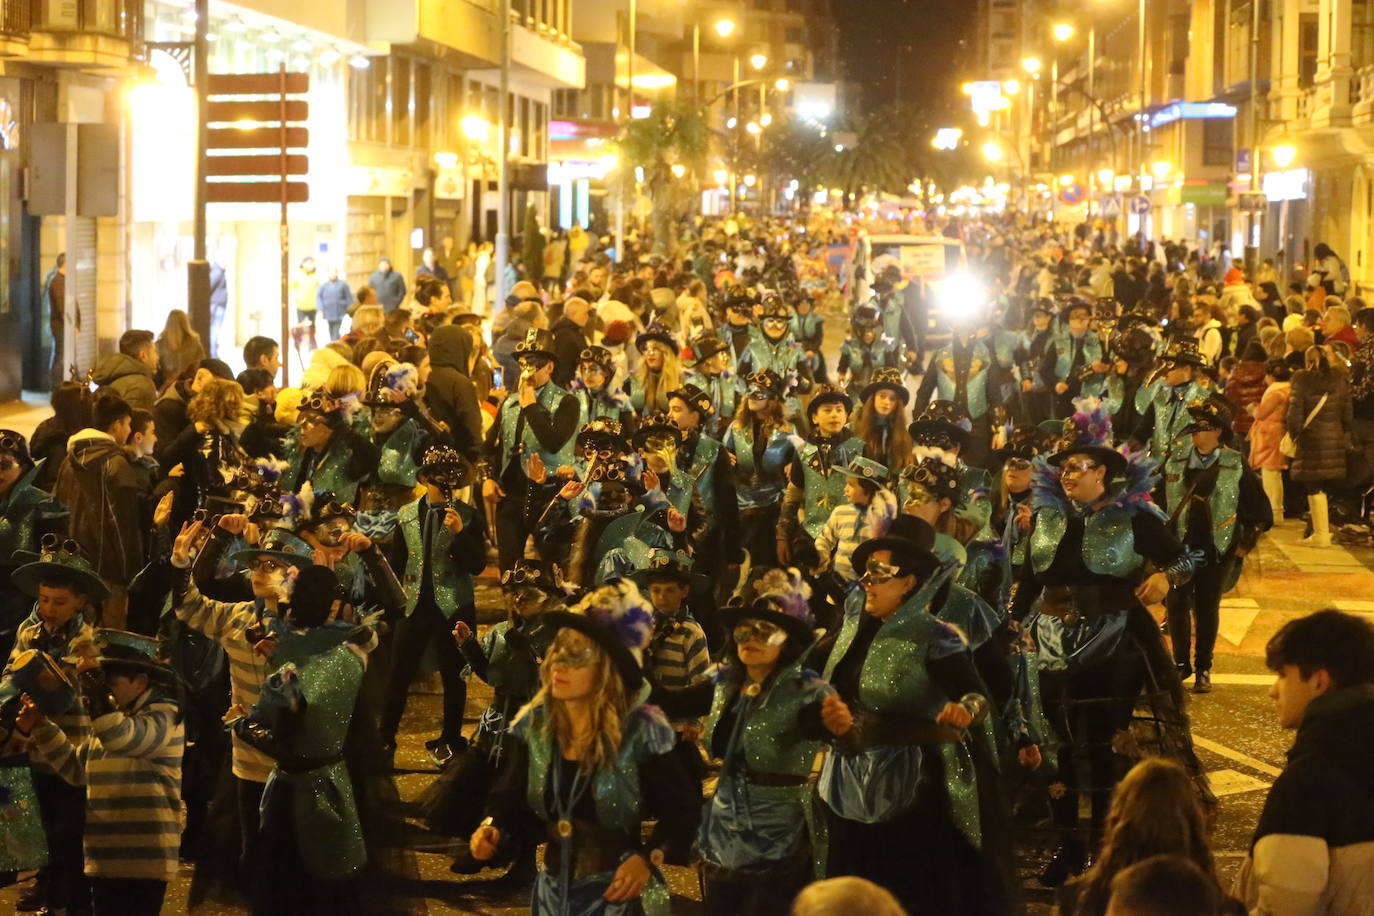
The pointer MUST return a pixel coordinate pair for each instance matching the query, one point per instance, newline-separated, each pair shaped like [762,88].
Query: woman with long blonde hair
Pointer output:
[1155,811]
[178,346]
[759,439]
[588,761]
[658,373]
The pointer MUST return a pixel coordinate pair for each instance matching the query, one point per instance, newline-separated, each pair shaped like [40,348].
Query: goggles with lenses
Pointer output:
[876,572]
[769,634]
[659,442]
[10,442]
[572,656]
[606,472]
[8,463]
[532,363]
[333,532]
[519,575]
[52,543]
[1018,464]
[596,357]
[1078,466]
[265,564]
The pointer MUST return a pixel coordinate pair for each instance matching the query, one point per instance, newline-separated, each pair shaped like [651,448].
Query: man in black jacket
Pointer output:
[1313,851]
[569,340]
[449,392]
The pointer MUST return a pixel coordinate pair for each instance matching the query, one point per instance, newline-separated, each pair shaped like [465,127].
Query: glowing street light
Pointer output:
[753,128]
[1031,65]
[782,85]
[1161,169]
[725,27]
[758,61]
[1284,155]
[1105,176]
[678,169]
[766,119]
[1011,87]
[732,123]
[476,128]
[1065,180]
[721,176]
[749,180]
[992,152]
[1062,31]
[947,138]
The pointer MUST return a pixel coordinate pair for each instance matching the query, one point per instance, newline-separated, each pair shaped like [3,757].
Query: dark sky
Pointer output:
[905,48]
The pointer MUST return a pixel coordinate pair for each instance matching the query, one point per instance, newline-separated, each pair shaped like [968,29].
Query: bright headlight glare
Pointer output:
[962,297]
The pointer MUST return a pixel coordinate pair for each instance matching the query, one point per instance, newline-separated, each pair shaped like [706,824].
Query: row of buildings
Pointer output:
[1248,123]
[404,102]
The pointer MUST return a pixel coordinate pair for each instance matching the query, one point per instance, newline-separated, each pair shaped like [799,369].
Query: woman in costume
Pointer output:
[591,760]
[881,420]
[658,373]
[759,438]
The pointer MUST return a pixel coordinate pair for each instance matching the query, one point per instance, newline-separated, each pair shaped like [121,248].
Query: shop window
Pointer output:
[1308,36]
[1218,145]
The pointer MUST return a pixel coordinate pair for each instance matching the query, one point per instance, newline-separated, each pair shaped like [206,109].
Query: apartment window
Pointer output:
[423,113]
[795,35]
[400,100]
[1217,141]
[1307,49]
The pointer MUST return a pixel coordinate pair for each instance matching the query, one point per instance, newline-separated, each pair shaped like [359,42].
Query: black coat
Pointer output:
[449,393]
[1322,445]
[568,343]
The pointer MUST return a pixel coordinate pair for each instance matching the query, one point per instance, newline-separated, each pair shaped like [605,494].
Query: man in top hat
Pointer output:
[358,562]
[712,374]
[1219,510]
[441,548]
[597,396]
[961,372]
[1133,348]
[1074,357]
[739,327]
[531,438]
[63,586]
[1035,400]
[1165,415]
[332,457]
[26,514]
[239,627]
[808,328]
[866,350]
[892,295]
[130,766]
[815,485]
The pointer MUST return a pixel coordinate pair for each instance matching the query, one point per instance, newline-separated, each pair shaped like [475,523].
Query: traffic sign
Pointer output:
[1071,194]
[1140,205]
[1252,201]
[1111,205]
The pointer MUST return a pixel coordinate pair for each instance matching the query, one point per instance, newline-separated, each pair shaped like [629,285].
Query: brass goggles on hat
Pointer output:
[770,634]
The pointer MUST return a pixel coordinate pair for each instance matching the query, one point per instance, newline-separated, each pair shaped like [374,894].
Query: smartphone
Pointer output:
[498,377]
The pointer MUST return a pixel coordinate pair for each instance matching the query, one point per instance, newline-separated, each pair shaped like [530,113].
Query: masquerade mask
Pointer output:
[265,564]
[567,655]
[767,633]
[1018,464]
[878,573]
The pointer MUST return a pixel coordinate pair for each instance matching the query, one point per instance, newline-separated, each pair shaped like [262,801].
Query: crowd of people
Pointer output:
[891,601]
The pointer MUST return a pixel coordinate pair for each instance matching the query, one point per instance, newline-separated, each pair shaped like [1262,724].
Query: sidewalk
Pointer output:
[25,415]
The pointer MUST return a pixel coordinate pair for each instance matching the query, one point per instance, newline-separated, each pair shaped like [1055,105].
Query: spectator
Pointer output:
[846,896]
[100,489]
[1246,386]
[1270,421]
[263,435]
[1155,811]
[1207,330]
[262,353]
[450,393]
[1328,272]
[169,413]
[433,295]
[55,302]
[367,320]
[322,362]
[178,346]
[569,339]
[389,284]
[1336,327]
[1246,328]
[1298,341]
[207,448]
[334,298]
[1295,306]
[71,413]
[1320,420]
[1313,850]
[1164,885]
[1362,384]
[129,373]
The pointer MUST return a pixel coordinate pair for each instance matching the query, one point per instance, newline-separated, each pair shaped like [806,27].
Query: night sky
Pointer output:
[905,50]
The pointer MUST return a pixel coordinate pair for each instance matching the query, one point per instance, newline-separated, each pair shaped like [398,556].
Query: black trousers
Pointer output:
[758,534]
[516,516]
[128,896]
[62,808]
[250,801]
[1202,596]
[427,626]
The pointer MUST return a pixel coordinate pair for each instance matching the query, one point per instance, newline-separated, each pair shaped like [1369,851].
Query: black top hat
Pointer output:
[942,424]
[943,481]
[828,394]
[887,379]
[602,435]
[1214,413]
[1183,350]
[765,383]
[618,619]
[656,332]
[774,307]
[1103,454]
[656,424]
[391,384]
[694,398]
[445,466]
[598,355]
[15,444]
[865,318]
[909,557]
[1074,304]
[708,345]
[668,564]
[1024,442]
[57,560]
[537,343]
[1043,305]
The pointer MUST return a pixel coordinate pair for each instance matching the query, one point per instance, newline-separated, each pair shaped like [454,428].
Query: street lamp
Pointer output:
[749,180]
[1065,180]
[1284,155]
[721,176]
[758,61]
[724,27]
[1062,31]
[1105,176]
[1161,169]
[678,169]
[782,85]
[1031,65]
[992,152]
[1011,87]
[753,128]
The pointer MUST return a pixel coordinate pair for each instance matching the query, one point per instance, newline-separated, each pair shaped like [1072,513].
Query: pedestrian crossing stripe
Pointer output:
[1353,605]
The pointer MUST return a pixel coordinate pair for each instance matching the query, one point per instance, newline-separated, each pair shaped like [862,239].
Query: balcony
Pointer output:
[99,35]
[14,27]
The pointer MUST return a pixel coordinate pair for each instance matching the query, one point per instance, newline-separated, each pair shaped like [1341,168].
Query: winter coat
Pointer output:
[1245,387]
[390,288]
[449,393]
[1271,416]
[127,377]
[568,343]
[98,486]
[1313,849]
[333,298]
[1321,446]
[169,418]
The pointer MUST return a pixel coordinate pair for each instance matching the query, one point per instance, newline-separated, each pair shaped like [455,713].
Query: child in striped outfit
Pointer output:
[869,510]
[131,766]
[677,656]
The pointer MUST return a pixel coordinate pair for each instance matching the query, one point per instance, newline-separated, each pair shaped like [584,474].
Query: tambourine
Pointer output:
[38,675]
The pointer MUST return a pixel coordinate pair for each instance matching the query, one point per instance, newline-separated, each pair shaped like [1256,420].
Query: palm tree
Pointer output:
[674,134]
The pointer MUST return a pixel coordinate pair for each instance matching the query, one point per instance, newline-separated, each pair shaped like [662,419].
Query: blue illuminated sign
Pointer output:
[1171,113]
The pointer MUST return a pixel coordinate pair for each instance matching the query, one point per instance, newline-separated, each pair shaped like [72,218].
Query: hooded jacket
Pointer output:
[1313,851]
[98,486]
[449,393]
[127,377]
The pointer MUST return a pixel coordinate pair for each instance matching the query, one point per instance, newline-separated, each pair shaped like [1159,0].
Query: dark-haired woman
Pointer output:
[759,440]
[1320,418]
[881,420]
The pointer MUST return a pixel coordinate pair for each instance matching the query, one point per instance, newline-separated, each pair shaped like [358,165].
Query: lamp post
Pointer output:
[503,168]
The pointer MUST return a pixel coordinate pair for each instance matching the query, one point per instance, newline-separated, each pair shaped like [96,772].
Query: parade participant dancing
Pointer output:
[759,439]
[881,420]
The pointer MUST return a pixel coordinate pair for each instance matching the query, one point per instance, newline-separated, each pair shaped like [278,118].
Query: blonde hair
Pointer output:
[607,705]
[656,385]
[288,406]
[1298,340]
[846,896]
[1319,358]
[342,380]
[368,319]
[219,399]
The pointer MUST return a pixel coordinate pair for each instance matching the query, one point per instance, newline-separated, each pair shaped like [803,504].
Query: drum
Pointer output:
[39,676]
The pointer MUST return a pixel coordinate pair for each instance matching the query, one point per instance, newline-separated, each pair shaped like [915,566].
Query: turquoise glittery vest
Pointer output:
[807,327]
[723,390]
[769,740]
[1063,352]
[1108,541]
[19,513]
[615,789]
[701,476]
[600,405]
[397,465]
[759,485]
[1171,416]
[1221,504]
[550,396]
[330,474]
[878,352]
[452,587]
[824,486]
[782,356]
[890,309]
[895,681]
[977,385]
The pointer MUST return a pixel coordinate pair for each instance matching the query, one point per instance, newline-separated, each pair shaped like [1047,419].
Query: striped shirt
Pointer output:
[131,766]
[227,623]
[678,656]
[59,644]
[848,527]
